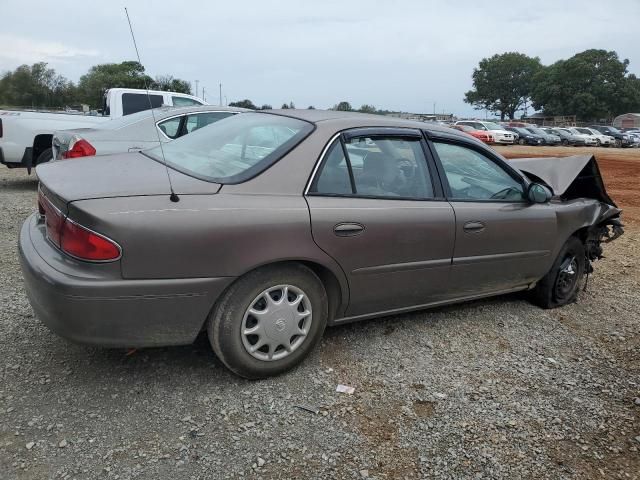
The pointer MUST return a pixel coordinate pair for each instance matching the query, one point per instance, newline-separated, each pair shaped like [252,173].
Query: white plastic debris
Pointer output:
[345,389]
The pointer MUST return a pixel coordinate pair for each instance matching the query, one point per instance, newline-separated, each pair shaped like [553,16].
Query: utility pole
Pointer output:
[204,99]
[197,81]
[434,108]
[220,86]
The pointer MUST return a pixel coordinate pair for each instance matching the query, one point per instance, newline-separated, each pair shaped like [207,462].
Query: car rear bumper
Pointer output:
[108,311]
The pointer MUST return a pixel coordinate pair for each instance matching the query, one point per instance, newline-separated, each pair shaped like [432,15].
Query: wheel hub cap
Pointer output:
[276,323]
[567,277]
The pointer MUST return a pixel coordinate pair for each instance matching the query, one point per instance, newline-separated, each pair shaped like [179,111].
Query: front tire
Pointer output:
[522,141]
[598,142]
[561,284]
[269,320]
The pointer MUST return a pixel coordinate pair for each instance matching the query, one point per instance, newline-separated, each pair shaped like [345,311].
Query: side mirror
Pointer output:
[537,193]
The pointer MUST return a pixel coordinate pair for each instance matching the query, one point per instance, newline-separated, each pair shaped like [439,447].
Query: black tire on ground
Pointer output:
[44,157]
[618,143]
[565,142]
[554,290]
[522,141]
[225,321]
[598,142]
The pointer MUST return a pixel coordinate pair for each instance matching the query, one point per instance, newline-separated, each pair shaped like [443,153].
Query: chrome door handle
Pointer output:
[473,227]
[348,229]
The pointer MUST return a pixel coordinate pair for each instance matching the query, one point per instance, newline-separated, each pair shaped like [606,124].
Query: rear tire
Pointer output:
[229,321]
[44,157]
[560,286]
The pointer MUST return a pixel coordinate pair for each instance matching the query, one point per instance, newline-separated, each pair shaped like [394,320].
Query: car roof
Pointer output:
[357,120]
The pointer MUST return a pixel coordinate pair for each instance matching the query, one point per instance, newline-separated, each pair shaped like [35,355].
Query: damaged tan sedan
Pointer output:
[264,228]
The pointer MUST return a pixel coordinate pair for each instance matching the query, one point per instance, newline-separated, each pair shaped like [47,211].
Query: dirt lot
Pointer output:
[490,389]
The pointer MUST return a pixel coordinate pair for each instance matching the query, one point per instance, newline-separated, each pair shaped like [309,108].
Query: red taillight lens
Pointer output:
[75,239]
[87,245]
[53,219]
[80,148]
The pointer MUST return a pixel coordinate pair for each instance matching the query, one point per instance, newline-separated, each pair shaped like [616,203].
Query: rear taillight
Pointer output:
[75,239]
[79,147]
[84,244]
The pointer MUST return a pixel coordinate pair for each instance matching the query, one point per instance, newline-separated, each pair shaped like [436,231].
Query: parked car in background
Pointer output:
[525,137]
[137,131]
[566,137]
[621,138]
[288,221]
[634,138]
[601,139]
[549,138]
[590,140]
[26,135]
[500,134]
[481,135]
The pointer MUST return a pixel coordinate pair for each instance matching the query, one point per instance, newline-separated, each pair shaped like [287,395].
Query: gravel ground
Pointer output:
[490,389]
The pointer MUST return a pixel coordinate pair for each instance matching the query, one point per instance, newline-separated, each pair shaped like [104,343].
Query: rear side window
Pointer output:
[171,127]
[199,120]
[379,167]
[184,102]
[137,102]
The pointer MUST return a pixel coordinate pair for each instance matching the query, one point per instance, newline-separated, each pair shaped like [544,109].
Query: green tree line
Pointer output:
[593,85]
[38,85]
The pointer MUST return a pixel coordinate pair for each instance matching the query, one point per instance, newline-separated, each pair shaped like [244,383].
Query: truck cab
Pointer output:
[119,102]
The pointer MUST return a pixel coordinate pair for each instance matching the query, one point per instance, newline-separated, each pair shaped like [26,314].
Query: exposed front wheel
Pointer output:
[561,284]
[269,320]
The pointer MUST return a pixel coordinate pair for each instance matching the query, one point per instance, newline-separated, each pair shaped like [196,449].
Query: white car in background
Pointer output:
[589,140]
[600,138]
[500,135]
[135,132]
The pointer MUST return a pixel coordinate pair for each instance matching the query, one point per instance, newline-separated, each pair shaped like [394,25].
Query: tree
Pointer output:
[285,106]
[35,86]
[311,107]
[503,83]
[593,85]
[343,107]
[266,106]
[169,84]
[246,103]
[129,74]
[367,109]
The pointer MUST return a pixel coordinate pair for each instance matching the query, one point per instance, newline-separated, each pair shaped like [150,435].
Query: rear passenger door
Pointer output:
[377,208]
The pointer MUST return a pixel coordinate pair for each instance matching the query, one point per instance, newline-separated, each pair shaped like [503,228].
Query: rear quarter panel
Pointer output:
[221,235]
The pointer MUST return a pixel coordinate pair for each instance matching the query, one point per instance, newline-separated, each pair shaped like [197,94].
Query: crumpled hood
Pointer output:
[569,177]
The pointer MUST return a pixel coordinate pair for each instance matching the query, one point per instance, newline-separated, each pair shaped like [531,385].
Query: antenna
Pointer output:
[173,197]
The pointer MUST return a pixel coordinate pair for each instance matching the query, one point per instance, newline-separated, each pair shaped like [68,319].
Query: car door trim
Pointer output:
[402,267]
[498,257]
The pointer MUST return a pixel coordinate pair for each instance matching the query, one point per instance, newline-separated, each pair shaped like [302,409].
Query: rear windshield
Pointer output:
[234,150]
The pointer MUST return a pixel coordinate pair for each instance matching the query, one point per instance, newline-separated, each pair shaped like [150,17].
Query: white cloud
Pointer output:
[20,50]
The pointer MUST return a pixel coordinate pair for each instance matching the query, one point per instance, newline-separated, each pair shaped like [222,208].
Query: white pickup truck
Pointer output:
[25,135]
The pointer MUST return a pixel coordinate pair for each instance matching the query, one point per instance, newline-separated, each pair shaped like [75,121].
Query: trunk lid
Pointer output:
[120,175]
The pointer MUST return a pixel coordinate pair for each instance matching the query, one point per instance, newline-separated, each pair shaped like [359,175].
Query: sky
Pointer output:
[401,55]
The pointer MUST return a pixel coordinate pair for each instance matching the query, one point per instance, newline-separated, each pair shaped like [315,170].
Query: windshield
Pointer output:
[234,150]
[614,130]
[493,126]
[538,131]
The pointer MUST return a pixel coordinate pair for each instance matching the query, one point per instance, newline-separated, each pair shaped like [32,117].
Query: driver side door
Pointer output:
[503,241]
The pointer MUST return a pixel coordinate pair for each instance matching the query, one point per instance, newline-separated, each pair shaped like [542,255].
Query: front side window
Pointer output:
[199,120]
[184,102]
[384,167]
[137,102]
[473,176]
[234,150]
